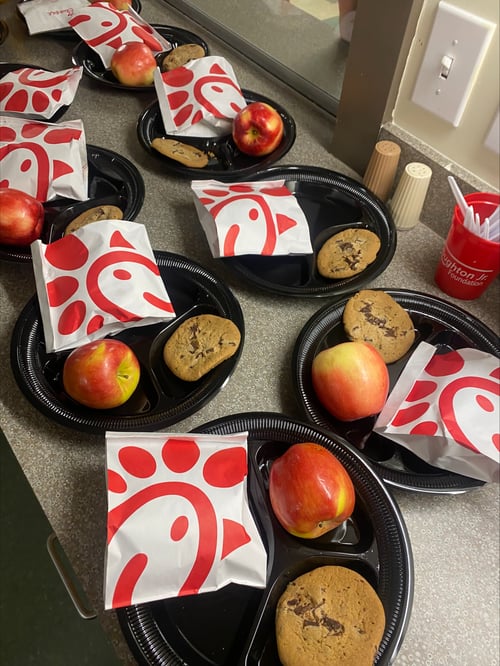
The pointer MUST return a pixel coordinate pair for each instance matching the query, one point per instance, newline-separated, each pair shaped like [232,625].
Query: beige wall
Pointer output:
[463,144]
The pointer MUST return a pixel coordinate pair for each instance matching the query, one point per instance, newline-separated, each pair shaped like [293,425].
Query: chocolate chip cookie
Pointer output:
[375,317]
[95,214]
[200,344]
[181,152]
[181,55]
[347,253]
[330,615]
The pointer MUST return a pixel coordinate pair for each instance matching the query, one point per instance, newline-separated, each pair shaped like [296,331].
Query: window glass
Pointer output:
[299,41]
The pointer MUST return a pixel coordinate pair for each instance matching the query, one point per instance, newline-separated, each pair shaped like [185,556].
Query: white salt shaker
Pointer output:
[409,196]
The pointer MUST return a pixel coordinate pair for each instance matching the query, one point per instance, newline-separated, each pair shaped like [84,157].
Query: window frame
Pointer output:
[379,47]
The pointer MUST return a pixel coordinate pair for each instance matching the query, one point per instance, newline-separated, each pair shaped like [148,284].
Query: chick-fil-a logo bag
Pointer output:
[251,218]
[178,517]
[45,15]
[200,99]
[46,160]
[96,281]
[104,28]
[37,93]
[445,408]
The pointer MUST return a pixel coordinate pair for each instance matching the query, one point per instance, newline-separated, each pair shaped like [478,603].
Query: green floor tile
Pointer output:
[38,623]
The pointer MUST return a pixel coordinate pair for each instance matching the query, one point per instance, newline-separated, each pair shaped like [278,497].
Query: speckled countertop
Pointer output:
[455,538]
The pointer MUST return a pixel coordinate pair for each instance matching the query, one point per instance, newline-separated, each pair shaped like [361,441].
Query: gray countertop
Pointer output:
[455,538]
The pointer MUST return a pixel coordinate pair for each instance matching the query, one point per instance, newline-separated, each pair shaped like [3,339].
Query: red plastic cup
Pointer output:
[468,263]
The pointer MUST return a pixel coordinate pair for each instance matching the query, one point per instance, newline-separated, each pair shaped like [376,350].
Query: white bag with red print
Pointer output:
[48,15]
[105,28]
[200,99]
[96,281]
[38,93]
[46,160]
[445,408]
[251,218]
[179,522]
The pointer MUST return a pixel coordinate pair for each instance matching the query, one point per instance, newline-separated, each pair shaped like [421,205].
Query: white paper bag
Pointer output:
[46,160]
[445,408]
[104,28]
[48,15]
[96,281]
[199,99]
[178,517]
[261,217]
[37,93]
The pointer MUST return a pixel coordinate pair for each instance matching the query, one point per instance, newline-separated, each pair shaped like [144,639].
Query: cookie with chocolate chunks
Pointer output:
[94,214]
[181,55]
[181,152]
[330,615]
[375,317]
[347,253]
[200,344]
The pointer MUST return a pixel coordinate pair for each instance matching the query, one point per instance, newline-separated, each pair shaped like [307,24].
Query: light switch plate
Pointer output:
[457,45]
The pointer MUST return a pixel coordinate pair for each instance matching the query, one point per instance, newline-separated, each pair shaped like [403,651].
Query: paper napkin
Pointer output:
[251,218]
[45,15]
[445,408]
[97,281]
[200,99]
[46,160]
[37,93]
[104,28]
[178,517]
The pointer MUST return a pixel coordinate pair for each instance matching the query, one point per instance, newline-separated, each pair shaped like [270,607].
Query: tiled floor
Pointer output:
[324,10]
[39,625]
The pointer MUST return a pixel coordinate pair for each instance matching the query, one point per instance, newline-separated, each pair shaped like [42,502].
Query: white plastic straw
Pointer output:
[495,217]
[486,228]
[490,228]
[459,197]
[494,231]
[469,220]
[478,230]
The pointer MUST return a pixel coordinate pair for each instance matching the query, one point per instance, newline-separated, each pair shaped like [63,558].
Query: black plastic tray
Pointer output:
[93,67]
[331,202]
[161,399]
[226,161]
[112,180]
[437,322]
[235,625]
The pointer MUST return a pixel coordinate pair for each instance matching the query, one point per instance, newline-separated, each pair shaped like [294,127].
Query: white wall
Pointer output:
[464,144]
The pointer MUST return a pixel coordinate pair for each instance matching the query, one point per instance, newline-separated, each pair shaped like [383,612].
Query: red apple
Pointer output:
[257,129]
[21,217]
[133,64]
[120,4]
[351,380]
[101,374]
[310,490]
